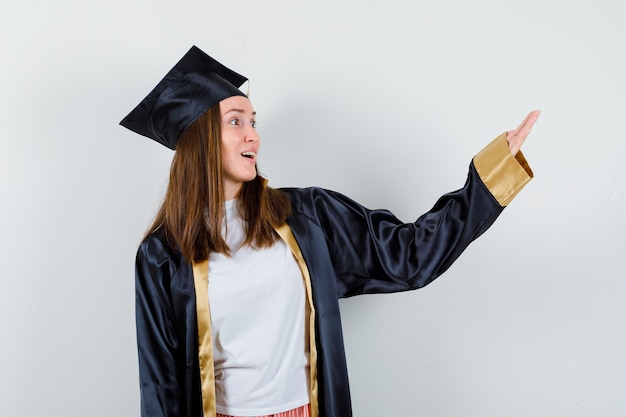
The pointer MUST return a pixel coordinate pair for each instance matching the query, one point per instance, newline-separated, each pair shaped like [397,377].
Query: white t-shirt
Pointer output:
[257,301]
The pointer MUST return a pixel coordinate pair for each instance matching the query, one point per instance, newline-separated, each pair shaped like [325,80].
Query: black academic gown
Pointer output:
[348,250]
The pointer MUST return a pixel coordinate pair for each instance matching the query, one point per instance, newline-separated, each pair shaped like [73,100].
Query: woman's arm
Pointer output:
[373,252]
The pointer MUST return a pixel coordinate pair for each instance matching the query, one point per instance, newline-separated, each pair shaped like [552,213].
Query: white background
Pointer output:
[384,101]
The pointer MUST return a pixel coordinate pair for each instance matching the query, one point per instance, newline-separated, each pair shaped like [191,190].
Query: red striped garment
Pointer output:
[296,412]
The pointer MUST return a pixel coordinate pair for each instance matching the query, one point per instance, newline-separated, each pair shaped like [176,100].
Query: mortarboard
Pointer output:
[194,85]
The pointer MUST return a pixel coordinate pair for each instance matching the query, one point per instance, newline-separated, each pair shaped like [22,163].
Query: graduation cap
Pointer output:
[195,84]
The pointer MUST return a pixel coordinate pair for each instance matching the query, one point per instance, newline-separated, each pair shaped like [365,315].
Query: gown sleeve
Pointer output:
[373,252]
[159,339]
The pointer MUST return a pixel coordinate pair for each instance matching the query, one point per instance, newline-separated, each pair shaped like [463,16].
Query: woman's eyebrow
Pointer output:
[238,111]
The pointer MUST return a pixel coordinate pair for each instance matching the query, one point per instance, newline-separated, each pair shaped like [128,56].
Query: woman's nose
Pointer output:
[252,135]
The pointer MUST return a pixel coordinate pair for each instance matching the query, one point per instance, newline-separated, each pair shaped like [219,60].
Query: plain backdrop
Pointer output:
[386,102]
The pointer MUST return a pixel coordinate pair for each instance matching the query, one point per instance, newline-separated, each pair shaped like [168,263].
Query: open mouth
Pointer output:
[249,155]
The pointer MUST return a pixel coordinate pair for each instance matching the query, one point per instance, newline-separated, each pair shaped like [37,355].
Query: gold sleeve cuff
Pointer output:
[504,174]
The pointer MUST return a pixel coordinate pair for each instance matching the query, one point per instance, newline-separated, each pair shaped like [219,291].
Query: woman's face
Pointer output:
[240,144]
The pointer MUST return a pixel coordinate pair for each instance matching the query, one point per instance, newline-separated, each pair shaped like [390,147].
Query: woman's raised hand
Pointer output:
[517,137]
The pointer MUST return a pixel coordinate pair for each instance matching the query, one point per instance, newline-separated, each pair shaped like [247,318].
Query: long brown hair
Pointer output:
[193,208]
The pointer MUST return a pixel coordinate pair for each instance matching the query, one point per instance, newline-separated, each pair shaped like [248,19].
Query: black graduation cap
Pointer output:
[195,84]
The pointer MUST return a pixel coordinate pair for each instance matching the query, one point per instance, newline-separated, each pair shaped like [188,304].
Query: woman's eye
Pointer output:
[233,122]
[253,124]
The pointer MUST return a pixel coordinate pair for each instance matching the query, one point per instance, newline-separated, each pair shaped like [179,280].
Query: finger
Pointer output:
[530,119]
[521,125]
[527,124]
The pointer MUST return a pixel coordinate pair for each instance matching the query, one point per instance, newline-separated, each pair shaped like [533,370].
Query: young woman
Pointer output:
[237,284]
